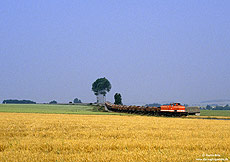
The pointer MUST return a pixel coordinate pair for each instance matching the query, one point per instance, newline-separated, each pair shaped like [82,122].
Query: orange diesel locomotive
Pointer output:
[173,109]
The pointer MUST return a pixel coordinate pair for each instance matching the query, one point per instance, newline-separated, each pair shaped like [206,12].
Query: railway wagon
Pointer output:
[175,109]
[195,110]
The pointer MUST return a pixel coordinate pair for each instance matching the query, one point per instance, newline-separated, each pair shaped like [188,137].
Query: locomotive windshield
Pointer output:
[176,104]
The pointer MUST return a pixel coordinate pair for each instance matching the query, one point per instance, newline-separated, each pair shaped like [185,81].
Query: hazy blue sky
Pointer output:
[151,51]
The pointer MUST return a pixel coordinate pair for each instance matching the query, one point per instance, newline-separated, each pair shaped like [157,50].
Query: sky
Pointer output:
[150,51]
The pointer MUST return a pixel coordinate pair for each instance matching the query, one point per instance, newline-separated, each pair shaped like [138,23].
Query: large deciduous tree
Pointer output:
[100,87]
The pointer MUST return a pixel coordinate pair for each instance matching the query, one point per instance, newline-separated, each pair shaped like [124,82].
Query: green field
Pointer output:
[79,109]
[53,109]
[214,112]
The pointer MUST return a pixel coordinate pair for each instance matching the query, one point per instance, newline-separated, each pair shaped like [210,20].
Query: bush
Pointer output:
[99,108]
[53,102]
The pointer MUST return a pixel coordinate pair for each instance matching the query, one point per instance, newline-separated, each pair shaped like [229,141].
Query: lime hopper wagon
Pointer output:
[174,109]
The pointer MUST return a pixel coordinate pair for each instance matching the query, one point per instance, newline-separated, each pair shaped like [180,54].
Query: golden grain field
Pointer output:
[59,137]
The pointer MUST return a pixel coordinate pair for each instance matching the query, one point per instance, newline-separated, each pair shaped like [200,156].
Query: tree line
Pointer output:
[18,102]
[226,107]
[15,101]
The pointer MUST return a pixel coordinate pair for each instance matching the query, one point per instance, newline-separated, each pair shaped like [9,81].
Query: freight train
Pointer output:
[174,109]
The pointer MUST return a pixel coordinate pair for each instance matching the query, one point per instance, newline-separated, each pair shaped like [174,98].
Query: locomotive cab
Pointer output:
[176,104]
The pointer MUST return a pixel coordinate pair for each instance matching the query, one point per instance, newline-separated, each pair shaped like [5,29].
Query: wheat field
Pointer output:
[63,137]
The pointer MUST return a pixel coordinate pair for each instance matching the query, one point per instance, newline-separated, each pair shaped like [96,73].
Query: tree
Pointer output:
[76,100]
[208,107]
[100,87]
[53,102]
[186,105]
[118,99]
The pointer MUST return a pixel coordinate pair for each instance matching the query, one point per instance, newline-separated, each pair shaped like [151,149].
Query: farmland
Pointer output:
[69,137]
[215,113]
[52,109]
